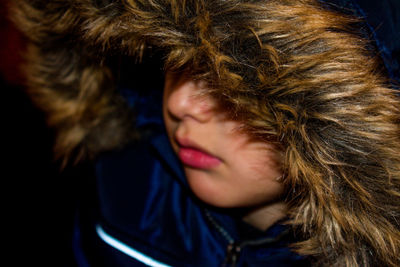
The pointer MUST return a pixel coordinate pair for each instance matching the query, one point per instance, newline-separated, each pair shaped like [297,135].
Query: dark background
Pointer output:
[39,199]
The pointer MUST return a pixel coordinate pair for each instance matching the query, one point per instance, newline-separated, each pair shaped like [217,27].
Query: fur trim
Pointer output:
[293,71]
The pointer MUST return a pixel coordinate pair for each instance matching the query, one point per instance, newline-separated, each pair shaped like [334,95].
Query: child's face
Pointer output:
[223,166]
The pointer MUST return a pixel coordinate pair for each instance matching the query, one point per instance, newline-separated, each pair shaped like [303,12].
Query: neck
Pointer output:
[265,216]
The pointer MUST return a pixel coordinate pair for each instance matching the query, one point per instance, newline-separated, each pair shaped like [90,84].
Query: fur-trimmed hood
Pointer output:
[296,72]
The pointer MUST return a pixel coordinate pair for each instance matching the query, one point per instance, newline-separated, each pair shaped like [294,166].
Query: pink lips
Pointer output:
[194,157]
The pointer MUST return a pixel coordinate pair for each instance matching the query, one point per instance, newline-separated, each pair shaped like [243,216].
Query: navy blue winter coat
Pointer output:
[146,214]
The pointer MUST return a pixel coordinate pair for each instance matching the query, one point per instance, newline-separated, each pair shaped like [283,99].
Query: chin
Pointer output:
[209,191]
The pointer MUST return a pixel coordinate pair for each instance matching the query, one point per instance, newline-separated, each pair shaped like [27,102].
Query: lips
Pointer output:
[194,156]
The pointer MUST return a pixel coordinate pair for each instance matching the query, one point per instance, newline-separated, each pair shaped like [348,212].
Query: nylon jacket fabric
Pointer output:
[144,201]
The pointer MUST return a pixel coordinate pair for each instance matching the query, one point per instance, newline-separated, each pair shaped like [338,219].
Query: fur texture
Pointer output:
[294,72]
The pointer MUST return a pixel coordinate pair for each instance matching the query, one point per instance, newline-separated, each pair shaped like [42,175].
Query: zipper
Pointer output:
[232,255]
[234,248]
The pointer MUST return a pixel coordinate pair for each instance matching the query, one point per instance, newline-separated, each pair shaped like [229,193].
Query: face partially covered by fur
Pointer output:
[298,75]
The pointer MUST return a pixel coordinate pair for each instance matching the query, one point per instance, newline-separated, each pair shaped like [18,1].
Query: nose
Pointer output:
[185,99]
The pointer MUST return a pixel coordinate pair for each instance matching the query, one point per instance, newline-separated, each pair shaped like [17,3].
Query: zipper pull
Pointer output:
[232,255]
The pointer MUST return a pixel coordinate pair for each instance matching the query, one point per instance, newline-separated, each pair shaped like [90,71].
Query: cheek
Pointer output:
[255,160]
[256,173]
[262,172]
[261,189]
[266,167]
[169,124]
[170,127]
